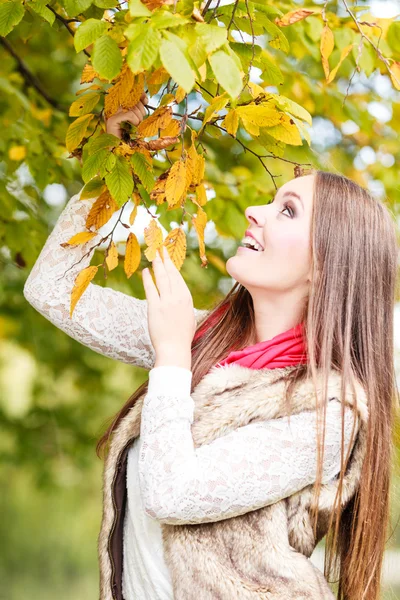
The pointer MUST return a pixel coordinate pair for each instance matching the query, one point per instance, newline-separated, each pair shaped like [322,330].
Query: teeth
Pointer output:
[251,242]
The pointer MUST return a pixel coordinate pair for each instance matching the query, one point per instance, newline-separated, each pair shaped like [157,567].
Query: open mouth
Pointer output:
[251,244]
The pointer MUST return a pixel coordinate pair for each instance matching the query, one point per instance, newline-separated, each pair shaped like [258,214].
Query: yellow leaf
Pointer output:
[133,216]
[199,222]
[172,130]
[84,104]
[17,153]
[293,16]
[160,119]
[153,238]
[343,55]
[231,122]
[102,210]
[255,116]
[176,183]
[88,74]
[217,104]
[326,47]
[175,242]
[180,94]
[286,131]
[395,75]
[80,238]
[77,131]
[81,282]
[132,255]
[201,194]
[112,257]
[157,194]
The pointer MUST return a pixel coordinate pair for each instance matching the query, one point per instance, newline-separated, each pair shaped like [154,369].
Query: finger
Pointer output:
[162,277]
[131,116]
[142,109]
[150,287]
[144,98]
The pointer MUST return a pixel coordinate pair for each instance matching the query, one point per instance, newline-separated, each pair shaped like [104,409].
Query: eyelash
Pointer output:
[285,206]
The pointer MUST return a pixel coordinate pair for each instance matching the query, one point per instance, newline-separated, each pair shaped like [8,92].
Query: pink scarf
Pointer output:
[287,348]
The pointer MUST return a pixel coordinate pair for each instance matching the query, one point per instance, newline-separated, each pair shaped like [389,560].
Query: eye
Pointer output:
[286,206]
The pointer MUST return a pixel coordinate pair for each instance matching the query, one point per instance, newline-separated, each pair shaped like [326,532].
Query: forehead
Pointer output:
[303,186]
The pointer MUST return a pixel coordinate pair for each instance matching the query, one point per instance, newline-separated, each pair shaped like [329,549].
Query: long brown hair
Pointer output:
[348,324]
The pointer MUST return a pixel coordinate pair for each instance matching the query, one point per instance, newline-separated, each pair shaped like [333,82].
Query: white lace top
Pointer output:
[168,480]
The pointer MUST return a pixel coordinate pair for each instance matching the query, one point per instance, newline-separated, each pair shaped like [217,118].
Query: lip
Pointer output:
[248,232]
[244,249]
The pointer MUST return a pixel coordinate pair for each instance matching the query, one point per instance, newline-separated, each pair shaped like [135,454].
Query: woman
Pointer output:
[216,484]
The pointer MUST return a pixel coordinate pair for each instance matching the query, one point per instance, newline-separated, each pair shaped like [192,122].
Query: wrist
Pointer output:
[173,358]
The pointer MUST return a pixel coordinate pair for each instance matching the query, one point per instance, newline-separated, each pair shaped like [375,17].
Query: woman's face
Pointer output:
[283,230]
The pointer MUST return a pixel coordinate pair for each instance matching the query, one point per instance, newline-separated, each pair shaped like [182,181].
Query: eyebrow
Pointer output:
[295,196]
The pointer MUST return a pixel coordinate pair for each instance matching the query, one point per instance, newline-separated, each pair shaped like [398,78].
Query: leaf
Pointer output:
[226,72]
[175,243]
[343,55]
[40,8]
[395,75]
[217,104]
[17,153]
[231,122]
[112,256]
[393,36]
[255,116]
[176,183]
[77,131]
[199,222]
[143,169]
[88,32]
[326,47]
[293,16]
[104,140]
[176,64]
[201,194]
[81,283]
[80,238]
[153,238]
[132,255]
[92,165]
[11,14]
[138,9]
[106,57]
[93,188]
[143,50]
[212,37]
[76,7]
[120,181]
[286,131]
[292,107]
[84,105]
[102,210]
[160,119]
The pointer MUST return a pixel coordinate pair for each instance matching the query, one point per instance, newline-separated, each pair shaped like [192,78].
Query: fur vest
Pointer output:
[262,554]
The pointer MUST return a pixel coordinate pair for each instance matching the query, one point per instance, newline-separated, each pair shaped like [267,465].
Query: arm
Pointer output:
[251,467]
[105,320]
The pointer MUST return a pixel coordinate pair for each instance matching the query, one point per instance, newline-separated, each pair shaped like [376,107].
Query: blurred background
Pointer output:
[56,394]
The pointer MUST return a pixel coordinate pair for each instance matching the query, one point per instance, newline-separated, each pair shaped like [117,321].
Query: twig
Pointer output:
[66,23]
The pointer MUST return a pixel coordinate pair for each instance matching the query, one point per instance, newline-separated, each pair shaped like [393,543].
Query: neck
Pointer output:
[275,316]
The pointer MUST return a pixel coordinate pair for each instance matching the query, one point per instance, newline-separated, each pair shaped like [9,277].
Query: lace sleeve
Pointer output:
[253,466]
[106,320]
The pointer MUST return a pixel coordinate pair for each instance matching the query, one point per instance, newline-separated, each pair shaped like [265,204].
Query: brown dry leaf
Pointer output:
[156,80]
[132,255]
[176,183]
[135,93]
[175,243]
[160,119]
[200,221]
[112,257]
[102,210]
[88,74]
[161,143]
[118,92]
[79,238]
[81,282]
[153,238]
[293,16]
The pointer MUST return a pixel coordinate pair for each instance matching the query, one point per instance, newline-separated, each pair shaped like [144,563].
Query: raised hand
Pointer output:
[134,115]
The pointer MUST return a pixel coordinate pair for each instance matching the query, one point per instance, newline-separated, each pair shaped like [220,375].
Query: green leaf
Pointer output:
[11,14]
[143,50]
[106,3]
[74,8]
[164,19]
[77,131]
[120,181]
[84,104]
[91,166]
[226,72]
[88,32]
[393,36]
[211,36]
[138,9]
[93,188]
[106,57]
[175,62]
[105,140]
[143,169]
[40,8]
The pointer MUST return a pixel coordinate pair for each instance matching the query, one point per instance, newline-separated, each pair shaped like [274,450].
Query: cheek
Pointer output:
[287,247]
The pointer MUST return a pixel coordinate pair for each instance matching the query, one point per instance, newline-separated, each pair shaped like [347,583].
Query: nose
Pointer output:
[251,215]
